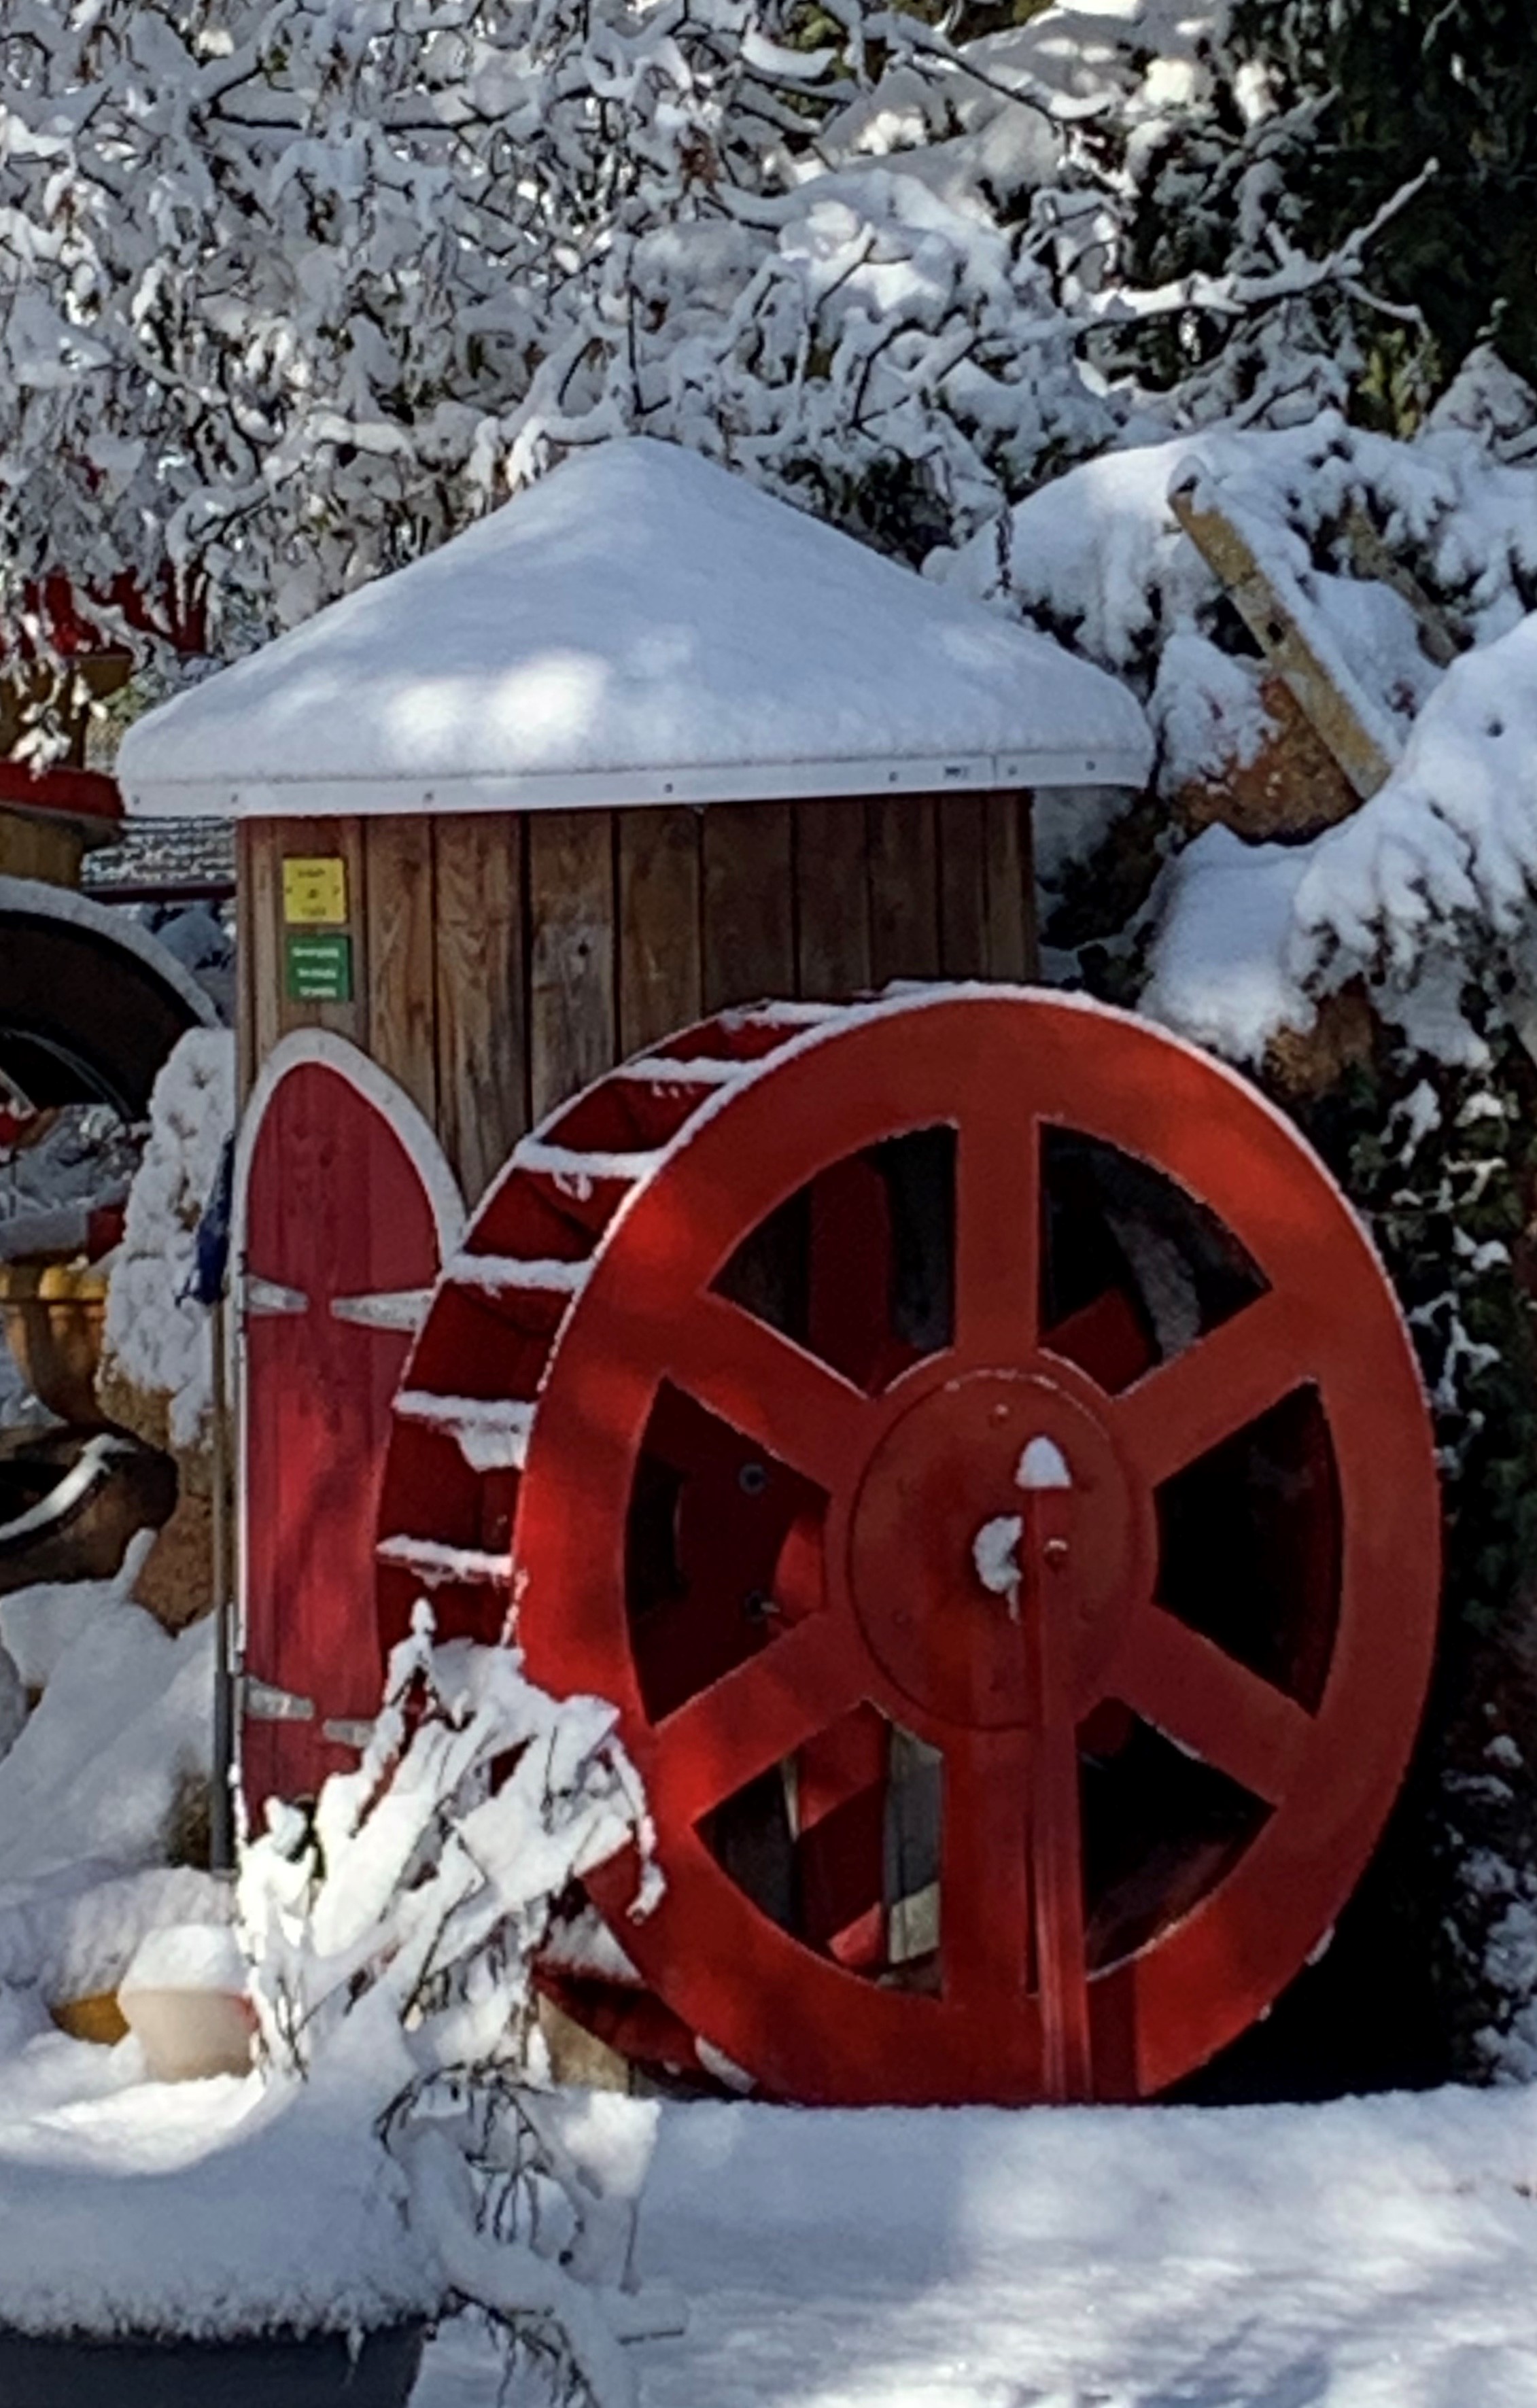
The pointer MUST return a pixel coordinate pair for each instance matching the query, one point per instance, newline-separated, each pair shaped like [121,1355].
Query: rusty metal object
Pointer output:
[53,1315]
[71,1501]
[1135,1515]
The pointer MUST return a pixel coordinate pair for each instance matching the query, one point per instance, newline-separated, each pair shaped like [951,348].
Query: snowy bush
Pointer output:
[95,1771]
[1429,887]
[373,275]
[392,1939]
[157,1337]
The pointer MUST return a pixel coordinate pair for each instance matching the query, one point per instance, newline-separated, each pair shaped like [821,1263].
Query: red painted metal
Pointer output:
[74,621]
[336,1208]
[18,1121]
[74,793]
[879,1605]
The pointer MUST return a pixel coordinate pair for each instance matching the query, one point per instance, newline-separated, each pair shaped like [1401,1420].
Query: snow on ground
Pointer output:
[126,1718]
[284,2207]
[1373,2253]
[73,1936]
[90,1787]
[1219,968]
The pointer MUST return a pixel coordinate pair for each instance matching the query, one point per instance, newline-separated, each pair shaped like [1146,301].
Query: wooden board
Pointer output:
[749,917]
[271,1011]
[340,1195]
[399,911]
[660,971]
[1013,942]
[832,900]
[481,967]
[501,962]
[1287,626]
[988,926]
[34,845]
[900,832]
[572,1028]
[962,844]
[258,954]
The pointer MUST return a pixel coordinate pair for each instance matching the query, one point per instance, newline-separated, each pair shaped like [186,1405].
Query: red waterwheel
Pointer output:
[1022,1646]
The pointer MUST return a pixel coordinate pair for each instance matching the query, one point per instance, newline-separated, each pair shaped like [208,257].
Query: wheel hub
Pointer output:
[954,1465]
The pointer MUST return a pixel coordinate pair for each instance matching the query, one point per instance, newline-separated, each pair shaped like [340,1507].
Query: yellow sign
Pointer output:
[314,893]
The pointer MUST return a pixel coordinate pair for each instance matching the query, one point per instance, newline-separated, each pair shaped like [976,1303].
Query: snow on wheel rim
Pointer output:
[644,1187]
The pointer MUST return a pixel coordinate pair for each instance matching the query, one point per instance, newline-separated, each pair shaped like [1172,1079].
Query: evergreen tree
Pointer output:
[1395,86]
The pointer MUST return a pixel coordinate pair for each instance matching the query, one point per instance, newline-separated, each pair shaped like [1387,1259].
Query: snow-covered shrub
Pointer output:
[95,1772]
[391,1940]
[1380,90]
[157,1337]
[1441,1158]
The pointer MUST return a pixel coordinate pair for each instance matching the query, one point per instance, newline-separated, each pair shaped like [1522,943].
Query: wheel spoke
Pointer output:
[754,1716]
[1106,1340]
[1209,1704]
[985,1885]
[1056,1852]
[802,1411]
[1057,1862]
[1216,1388]
[998,1232]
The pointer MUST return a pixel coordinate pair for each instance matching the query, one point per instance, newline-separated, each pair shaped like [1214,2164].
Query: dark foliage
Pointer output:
[1414,82]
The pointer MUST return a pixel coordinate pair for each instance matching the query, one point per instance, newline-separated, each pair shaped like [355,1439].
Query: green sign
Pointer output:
[320,968]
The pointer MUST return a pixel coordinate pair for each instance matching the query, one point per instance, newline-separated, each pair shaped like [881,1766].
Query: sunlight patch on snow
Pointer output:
[1372,2253]
[1219,970]
[1250,934]
[125,1716]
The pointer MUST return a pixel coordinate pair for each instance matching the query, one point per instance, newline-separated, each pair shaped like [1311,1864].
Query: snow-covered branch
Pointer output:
[392,1939]
[290,293]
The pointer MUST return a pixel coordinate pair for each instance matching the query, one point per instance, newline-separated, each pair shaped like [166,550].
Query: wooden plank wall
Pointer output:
[500,962]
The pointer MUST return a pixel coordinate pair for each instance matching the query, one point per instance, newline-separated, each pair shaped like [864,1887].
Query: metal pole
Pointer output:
[222,1805]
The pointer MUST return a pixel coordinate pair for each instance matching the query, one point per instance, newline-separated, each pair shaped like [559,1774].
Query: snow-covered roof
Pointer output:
[639,626]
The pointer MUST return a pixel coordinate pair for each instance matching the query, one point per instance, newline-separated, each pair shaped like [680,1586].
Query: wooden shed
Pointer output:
[643,744]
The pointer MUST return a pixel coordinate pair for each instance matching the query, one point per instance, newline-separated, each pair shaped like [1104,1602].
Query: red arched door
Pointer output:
[345,1211]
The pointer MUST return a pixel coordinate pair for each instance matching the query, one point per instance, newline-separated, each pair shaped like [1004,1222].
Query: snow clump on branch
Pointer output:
[287,297]
[158,1339]
[1432,879]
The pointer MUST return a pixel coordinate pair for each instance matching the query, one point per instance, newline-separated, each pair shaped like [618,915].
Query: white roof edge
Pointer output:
[237,797]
